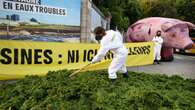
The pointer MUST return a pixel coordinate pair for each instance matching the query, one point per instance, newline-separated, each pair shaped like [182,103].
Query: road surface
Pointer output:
[183,65]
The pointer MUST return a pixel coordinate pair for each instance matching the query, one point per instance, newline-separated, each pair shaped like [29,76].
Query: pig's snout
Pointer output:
[189,46]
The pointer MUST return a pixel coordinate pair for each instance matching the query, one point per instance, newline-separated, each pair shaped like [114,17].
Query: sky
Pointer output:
[73,13]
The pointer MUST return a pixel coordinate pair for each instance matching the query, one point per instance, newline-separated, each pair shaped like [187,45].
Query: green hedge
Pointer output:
[93,91]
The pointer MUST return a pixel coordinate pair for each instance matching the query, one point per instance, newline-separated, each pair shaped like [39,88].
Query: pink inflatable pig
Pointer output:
[175,33]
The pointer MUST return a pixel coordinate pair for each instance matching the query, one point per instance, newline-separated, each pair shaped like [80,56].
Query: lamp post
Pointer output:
[8,24]
[109,17]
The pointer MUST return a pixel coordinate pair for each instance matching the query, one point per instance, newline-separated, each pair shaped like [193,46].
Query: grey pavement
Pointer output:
[183,65]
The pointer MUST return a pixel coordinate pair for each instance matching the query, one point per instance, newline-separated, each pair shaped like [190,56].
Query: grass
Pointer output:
[93,91]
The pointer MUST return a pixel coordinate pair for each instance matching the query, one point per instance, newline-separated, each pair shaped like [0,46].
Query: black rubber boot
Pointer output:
[113,80]
[125,75]
[154,62]
[158,62]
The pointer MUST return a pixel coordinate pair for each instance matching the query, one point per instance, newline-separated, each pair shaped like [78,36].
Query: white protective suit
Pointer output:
[113,41]
[157,48]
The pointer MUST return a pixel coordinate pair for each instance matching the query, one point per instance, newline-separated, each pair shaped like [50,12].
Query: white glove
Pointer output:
[93,62]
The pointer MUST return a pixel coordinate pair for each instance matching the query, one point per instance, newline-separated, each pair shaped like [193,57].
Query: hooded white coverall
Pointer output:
[113,41]
[157,48]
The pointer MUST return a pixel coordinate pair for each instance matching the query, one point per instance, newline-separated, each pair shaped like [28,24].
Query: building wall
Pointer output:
[97,18]
[91,17]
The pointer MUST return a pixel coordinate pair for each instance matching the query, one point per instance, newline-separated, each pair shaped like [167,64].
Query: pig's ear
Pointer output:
[190,25]
[166,26]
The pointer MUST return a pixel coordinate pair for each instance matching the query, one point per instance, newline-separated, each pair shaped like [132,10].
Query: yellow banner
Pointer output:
[21,58]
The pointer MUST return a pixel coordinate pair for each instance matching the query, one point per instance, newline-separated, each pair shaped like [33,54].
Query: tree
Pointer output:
[160,8]
[186,10]
[132,10]
[124,12]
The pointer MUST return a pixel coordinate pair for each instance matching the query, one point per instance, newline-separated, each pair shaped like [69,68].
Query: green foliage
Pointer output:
[186,10]
[126,12]
[162,9]
[93,91]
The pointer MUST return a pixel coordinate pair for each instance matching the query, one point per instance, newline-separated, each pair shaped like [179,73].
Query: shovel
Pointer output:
[79,70]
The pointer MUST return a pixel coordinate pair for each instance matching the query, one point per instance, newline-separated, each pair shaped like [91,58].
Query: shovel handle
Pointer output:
[77,71]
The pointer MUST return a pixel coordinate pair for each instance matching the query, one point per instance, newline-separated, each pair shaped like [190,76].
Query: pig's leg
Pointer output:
[167,54]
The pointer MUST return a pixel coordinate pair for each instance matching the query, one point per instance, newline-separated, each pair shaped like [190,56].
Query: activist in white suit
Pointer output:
[111,41]
[157,47]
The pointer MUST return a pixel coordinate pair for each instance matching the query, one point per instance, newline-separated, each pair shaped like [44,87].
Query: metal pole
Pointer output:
[8,27]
